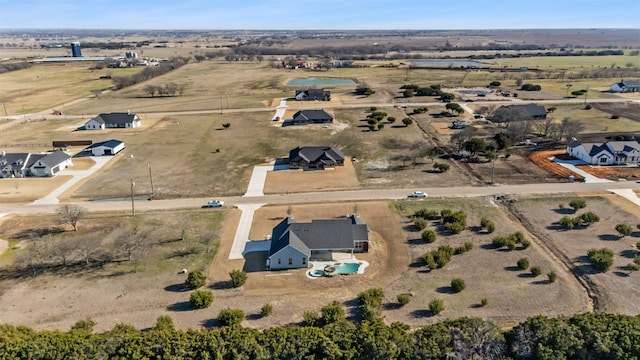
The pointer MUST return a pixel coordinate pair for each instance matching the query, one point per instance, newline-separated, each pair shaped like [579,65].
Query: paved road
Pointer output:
[333,196]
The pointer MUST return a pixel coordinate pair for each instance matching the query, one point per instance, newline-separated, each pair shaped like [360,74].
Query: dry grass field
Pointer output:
[286,181]
[616,289]
[133,292]
[46,86]
[117,293]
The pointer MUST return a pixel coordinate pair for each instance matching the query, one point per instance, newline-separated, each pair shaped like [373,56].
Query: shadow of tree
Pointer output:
[564,211]
[210,323]
[180,306]
[512,268]
[629,254]
[445,290]
[221,285]
[180,287]
[609,237]
[621,274]
[422,313]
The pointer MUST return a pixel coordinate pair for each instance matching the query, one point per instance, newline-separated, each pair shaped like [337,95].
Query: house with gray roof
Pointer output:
[109,147]
[304,117]
[114,120]
[608,153]
[625,86]
[13,164]
[39,165]
[49,164]
[519,112]
[315,157]
[313,95]
[294,244]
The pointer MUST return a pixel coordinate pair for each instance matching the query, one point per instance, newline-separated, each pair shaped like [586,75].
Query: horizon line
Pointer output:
[319,29]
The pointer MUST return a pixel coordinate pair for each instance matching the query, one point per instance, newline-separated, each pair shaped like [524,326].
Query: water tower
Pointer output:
[75,49]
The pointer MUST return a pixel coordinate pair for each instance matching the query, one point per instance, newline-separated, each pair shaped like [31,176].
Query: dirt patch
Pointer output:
[542,158]
[613,172]
[338,178]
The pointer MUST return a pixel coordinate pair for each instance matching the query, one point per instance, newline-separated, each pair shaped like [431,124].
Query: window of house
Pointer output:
[279,261]
[304,261]
[290,261]
[603,160]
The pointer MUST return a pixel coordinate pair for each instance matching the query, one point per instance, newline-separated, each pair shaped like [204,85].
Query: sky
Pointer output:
[317,14]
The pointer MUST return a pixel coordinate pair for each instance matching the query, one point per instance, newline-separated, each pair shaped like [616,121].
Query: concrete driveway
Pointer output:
[571,165]
[242,231]
[77,175]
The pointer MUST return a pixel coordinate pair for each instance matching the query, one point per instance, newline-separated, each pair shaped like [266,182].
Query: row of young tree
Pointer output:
[149,72]
[584,336]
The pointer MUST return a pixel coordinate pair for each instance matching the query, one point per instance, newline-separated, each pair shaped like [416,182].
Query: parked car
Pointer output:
[418,194]
[213,203]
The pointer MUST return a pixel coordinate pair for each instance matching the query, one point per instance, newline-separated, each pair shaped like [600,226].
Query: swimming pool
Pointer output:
[347,268]
[320,81]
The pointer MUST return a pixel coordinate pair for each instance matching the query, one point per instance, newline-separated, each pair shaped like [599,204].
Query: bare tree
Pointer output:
[185,226]
[71,214]
[543,127]
[62,249]
[88,247]
[207,238]
[573,128]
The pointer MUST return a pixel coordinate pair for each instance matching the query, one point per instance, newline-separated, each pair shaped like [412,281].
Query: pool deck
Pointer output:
[320,265]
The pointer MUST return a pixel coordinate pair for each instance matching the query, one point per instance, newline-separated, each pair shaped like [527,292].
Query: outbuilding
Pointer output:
[109,147]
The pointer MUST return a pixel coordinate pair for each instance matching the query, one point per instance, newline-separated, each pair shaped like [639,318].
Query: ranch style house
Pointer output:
[608,153]
[313,95]
[625,86]
[518,112]
[304,117]
[38,165]
[294,244]
[113,120]
[315,158]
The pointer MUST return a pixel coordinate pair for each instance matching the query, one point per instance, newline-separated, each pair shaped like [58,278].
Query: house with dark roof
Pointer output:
[40,165]
[294,244]
[608,153]
[304,117]
[315,157]
[113,120]
[13,164]
[313,95]
[519,112]
[625,86]
[109,147]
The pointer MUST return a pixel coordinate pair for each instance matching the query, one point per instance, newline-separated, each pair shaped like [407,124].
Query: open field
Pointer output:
[617,289]
[121,294]
[134,292]
[45,86]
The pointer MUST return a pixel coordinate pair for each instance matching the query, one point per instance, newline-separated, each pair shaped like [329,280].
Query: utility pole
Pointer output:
[150,178]
[585,95]
[133,207]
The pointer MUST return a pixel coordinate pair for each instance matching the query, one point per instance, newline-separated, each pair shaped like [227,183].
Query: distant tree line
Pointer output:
[149,72]
[584,336]
[4,68]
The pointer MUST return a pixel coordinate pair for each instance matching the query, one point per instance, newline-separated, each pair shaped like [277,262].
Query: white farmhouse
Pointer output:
[608,153]
[113,120]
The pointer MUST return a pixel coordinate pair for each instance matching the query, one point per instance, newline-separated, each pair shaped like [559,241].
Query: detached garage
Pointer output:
[110,147]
